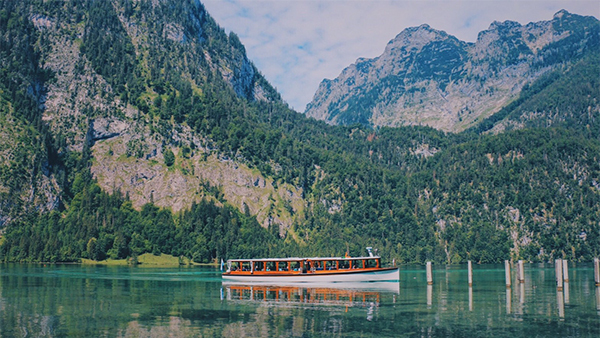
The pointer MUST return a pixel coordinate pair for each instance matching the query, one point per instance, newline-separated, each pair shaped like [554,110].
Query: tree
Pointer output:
[169,157]
[92,249]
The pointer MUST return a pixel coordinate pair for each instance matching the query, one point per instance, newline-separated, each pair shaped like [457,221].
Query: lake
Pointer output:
[106,301]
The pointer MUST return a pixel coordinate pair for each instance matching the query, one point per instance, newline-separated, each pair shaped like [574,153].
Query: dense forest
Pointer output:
[415,193]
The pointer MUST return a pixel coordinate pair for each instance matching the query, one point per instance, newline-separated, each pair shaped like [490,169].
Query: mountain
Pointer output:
[128,97]
[131,127]
[428,77]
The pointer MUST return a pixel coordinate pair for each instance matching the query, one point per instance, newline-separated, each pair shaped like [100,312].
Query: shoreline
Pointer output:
[145,260]
[149,259]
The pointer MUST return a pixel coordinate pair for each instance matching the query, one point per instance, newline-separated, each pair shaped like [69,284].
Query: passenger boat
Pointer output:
[311,296]
[302,295]
[314,269]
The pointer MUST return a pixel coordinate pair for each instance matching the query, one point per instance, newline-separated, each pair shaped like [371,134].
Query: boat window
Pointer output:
[283,294]
[245,266]
[318,265]
[259,266]
[330,265]
[295,266]
[271,266]
[345,264]
[283,266]
[235,266]
[370,263]
[259,294]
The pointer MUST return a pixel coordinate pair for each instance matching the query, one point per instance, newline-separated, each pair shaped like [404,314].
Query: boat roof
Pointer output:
[297,259]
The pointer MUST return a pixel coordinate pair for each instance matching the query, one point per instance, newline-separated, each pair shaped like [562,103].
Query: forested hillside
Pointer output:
[159,136]
[567,98]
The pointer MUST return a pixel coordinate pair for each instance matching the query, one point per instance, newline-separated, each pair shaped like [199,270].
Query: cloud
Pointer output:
[298,43]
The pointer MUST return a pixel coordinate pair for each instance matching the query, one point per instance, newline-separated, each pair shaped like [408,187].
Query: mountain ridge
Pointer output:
[427,77]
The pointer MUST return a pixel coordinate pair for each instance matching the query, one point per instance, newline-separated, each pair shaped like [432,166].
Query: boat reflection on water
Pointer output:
[340,295]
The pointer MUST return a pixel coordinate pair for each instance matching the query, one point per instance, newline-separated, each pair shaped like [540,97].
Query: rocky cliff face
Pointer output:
[182,38]
[201,173]
[427,77]
[21,160]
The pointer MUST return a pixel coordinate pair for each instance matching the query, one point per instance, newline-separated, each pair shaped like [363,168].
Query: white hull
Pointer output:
[368,276]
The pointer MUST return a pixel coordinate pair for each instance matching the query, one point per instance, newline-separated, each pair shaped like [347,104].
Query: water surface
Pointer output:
[100,301]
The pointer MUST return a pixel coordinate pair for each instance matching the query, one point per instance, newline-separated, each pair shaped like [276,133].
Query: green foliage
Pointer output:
[99,226]
[107,45]
[169,157]
[136,148]
[27,147]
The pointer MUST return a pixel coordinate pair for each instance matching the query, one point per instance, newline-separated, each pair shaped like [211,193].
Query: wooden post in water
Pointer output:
[598,298]
[560,301]
[597,271]
[521,272]
[565,268]
[470,272]
[559,274]
[507,273]
[566,292]
[429,296]
[470,298]
[429,274]
[508,300]
[522,293]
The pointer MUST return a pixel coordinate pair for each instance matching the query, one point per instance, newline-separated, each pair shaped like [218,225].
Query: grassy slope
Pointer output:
[146,259]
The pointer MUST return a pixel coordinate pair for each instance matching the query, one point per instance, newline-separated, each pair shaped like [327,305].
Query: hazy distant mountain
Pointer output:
[428,77]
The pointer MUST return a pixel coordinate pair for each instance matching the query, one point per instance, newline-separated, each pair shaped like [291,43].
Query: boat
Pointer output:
[313,269]
[313,296]
[391,286]
[302,295]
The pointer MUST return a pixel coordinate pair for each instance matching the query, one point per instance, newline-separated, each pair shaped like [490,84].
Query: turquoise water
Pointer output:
[99,301]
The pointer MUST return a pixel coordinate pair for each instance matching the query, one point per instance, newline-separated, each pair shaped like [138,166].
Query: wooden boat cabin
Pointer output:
[303,295]
[287,266]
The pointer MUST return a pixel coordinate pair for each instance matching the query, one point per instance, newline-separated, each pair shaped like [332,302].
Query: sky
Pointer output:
[297,43]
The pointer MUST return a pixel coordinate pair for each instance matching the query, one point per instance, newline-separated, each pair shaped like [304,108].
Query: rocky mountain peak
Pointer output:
[414,38]
[426,76]
[560,14]
[504,26]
